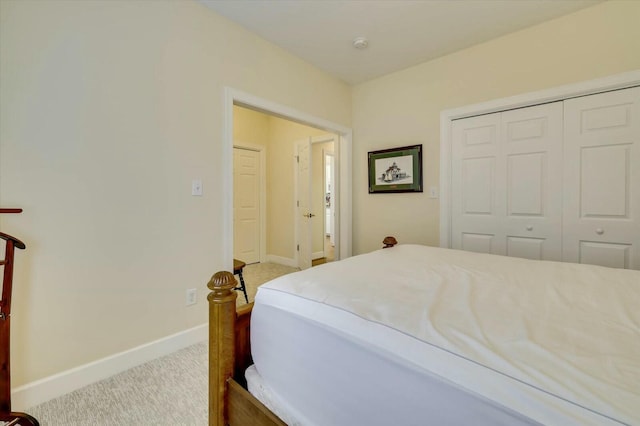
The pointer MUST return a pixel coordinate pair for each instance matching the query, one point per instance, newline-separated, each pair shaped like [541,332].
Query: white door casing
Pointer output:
[329,168]
[247,227]
[602,179]
[303,202]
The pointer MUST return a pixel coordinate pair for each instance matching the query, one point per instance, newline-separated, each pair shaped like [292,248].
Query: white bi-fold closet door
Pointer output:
[558,181]
[601,220]
[506,167]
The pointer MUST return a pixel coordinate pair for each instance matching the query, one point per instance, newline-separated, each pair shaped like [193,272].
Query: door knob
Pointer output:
[599,231]
[529,228]
[309,215]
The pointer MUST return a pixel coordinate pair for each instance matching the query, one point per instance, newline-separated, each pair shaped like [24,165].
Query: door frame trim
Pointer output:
[262,152]
[584,88]
[336,144]
[325,154]
[343,160]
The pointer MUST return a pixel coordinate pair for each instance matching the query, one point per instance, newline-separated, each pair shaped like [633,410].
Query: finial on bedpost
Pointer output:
[389,242]
[221,285]
[222,316]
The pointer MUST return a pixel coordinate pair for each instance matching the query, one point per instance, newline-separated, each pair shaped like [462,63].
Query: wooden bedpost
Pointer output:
[222,316]
[389,242]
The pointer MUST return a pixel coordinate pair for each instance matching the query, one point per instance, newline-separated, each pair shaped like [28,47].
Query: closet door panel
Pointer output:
[479,243]
[605,254]
[477,185]
[526,184]
[532,147]
[604,176]
[602,179]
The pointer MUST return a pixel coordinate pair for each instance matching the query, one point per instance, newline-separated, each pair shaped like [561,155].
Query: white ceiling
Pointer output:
[401,33]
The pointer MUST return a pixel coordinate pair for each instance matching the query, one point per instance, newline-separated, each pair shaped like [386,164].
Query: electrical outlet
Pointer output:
[191,296]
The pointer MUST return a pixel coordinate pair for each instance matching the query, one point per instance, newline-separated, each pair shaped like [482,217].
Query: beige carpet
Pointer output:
[171,390]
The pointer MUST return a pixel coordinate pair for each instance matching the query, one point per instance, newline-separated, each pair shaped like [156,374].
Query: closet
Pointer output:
[556,181]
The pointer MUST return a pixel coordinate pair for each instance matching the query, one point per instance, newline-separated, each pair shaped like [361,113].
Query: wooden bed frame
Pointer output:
[230,355]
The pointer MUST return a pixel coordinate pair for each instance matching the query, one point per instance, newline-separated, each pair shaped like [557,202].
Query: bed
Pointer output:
[415,335]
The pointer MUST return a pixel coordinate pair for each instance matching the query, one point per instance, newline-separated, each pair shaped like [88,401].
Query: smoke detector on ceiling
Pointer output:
[360,43]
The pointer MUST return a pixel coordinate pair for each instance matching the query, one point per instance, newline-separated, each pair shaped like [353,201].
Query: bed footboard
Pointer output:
[229,356]
[245,409]
[242,338]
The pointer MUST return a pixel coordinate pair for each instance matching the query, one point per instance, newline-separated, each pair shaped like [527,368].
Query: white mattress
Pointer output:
[413,333]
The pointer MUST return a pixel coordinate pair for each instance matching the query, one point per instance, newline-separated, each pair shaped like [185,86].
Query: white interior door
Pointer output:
[246,205]
[303,202]
[602,179]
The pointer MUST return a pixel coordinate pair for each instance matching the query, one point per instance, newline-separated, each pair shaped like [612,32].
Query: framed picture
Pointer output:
[396,170]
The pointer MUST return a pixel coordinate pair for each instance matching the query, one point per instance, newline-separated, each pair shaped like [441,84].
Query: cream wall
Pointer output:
[108,110]
[404,108]
[250,127]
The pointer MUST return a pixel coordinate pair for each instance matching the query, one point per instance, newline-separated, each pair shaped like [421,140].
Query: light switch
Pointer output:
[196,187]
[433,192]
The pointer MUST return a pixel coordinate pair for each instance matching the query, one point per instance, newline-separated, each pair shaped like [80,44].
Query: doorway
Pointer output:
[341,195]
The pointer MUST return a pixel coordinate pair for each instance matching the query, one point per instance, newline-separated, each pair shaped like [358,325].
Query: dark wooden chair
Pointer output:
[238,266]
[6,415]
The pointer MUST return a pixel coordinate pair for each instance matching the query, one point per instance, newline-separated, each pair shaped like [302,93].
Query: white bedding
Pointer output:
[513,340]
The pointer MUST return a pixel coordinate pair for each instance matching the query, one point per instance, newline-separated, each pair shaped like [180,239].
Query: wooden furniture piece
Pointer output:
[229,355]
[389,242]
[6,415]
[238,266]
[230,403]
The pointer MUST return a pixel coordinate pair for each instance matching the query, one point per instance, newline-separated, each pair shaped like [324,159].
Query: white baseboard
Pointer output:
[317,255]
[34,393]
[282,260]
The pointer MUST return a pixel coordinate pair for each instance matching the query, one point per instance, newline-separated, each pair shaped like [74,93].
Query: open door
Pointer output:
[304,217]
